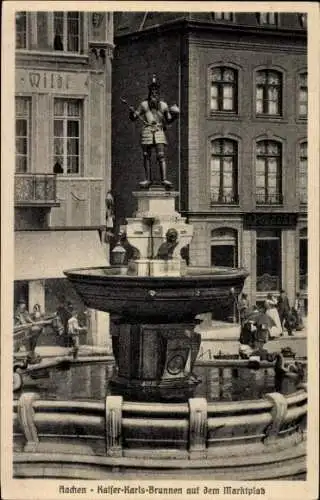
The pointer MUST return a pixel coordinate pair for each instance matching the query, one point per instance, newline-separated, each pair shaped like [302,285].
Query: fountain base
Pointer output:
[155,362]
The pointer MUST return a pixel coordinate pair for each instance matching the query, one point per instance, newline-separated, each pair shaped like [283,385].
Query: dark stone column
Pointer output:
[155,362]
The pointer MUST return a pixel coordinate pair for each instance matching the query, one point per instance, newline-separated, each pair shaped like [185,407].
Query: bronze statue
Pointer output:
[155,115]
[166,249]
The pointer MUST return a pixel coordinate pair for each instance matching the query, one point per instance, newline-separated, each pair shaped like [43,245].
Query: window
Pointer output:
[268,173]
[268,254]
[268,93]
[66,27]
[303,259]
[223,90]
[303,95]
[224,251]
[268,18]
[42,31]
[222,16]
[21,30]
[67,135]
[23,135]
[224,171]
[303,173]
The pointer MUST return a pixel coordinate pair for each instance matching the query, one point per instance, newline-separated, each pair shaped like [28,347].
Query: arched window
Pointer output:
[303,172]
[268,92]
[224,247]
[223,89]
[303,95]
[303,259]
[268,172]
[224,171]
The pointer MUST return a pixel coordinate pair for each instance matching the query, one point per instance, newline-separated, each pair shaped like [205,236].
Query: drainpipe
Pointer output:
[179,127]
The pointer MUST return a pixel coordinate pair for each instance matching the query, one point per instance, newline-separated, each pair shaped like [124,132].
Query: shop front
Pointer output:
[40,259]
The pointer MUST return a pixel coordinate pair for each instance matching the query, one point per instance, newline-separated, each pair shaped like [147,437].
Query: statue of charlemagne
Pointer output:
[155,115]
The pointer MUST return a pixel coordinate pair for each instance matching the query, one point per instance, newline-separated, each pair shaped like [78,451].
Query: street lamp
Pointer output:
[118,254]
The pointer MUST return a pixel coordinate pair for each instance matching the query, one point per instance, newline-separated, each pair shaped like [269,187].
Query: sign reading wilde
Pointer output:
[270,219]
[51,81]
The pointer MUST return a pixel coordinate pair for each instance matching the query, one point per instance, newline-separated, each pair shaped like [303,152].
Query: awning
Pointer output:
[46,254]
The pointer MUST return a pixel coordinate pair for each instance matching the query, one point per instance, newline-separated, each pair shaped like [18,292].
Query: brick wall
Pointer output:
[246,127]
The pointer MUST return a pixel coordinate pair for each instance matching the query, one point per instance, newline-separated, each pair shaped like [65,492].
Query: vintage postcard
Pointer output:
[160,250]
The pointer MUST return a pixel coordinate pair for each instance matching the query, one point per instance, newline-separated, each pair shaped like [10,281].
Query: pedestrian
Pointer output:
[284,312]
[36,331]
[243,307]
[247,338]
[64,313]
[36,312]
[271,310]
[298,311]
[22,316]
[74,330]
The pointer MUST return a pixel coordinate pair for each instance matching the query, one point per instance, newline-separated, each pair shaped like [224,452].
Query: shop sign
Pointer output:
[270,219]
[51,81]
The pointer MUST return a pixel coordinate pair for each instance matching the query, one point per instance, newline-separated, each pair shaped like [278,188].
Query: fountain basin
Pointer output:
[156,299]
[244,440]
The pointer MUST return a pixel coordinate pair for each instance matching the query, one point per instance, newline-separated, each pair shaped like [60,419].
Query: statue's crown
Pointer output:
[154,84]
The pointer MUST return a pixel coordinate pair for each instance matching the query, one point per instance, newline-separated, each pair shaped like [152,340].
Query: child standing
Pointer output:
[74,330]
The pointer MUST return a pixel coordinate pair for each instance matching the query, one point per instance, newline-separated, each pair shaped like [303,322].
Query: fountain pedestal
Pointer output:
[154,362]
[155,214]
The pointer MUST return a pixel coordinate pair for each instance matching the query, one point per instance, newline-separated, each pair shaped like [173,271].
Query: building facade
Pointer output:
[63,153]
[238,154]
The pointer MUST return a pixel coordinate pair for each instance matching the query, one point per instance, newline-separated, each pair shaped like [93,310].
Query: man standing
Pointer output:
[243,307]
[64,313]
[22,316]
[284,312]
[298,311]
[155,115]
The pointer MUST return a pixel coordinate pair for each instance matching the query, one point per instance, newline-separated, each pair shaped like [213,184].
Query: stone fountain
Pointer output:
[154,302]
[151,421]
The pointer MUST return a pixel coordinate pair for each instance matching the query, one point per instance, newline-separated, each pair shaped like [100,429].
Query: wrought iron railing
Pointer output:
[269,199]
[224,199]
[35,189]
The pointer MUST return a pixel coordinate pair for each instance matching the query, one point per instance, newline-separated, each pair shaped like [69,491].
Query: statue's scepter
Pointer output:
[131,108]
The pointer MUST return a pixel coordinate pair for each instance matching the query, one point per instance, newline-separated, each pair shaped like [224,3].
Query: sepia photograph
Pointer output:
[160,294]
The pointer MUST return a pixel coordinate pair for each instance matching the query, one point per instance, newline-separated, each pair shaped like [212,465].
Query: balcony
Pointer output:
[269,199]
[35,190]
